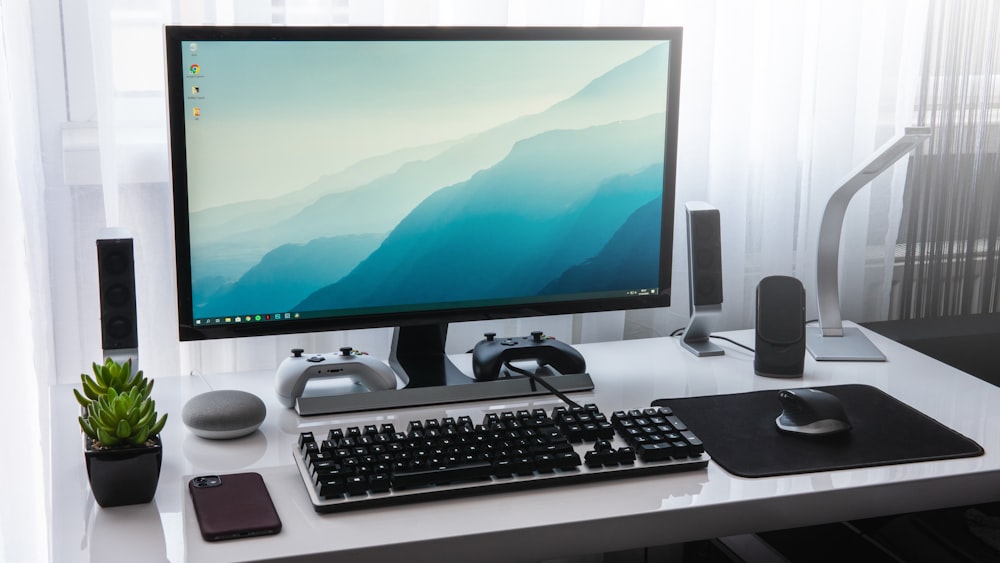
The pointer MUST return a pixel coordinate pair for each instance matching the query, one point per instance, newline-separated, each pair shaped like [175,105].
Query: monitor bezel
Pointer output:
[188,331]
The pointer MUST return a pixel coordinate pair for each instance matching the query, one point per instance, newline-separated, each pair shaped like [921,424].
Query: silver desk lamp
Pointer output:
[831,341]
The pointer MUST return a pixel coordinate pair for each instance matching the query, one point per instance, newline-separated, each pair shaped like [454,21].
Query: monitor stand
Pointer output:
[429,377]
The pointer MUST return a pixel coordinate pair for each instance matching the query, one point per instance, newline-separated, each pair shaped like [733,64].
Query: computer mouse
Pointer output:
[811,412]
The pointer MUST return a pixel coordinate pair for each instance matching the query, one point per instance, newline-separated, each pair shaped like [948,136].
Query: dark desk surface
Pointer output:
[970,343]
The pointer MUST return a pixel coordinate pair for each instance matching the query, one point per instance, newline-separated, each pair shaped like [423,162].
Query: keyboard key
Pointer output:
[356,485]
[442,475]
[306,438]
[379,483]
[696,445]
[545,462]
[331,488]
[568,460]
[593,459]
[655,451]
[677,423]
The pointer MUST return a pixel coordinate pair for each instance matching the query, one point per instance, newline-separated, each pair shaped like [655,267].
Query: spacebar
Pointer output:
[475,471]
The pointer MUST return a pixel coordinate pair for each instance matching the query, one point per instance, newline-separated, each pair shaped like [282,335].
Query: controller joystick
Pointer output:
[491,353]
[296,370]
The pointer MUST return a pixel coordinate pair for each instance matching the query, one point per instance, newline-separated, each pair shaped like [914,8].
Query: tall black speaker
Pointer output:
[780,346]
[116,279]
[704,235]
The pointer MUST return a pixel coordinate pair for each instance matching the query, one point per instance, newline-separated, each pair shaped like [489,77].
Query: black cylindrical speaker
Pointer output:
[780,349]
[116,279]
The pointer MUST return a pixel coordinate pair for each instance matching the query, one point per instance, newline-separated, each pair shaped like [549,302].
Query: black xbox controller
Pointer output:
[490,354]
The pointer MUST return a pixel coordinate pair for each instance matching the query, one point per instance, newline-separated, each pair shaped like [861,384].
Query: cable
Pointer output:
[680,331]
[731,341]
[541,381]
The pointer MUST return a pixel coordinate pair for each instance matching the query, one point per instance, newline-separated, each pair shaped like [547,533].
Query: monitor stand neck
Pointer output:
[418,357]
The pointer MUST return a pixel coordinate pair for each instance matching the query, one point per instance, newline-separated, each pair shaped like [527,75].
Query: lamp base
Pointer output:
[702,348]
[853,346]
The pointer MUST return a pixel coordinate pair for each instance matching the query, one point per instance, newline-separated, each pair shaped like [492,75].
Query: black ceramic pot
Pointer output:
[121,476]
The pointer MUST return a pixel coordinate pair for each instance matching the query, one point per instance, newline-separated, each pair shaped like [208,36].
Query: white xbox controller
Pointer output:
[296,370]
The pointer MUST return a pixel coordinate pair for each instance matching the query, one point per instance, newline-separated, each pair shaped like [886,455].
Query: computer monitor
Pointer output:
[329,178]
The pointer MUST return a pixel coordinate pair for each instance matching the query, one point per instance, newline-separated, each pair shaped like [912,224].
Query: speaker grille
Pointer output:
[705,254]
[116,277]
[781,309]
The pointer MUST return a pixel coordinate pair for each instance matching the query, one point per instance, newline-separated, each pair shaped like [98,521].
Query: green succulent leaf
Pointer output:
[145,421]
[140,437]
[102,417]
[124,429]
[86,427]
[80,398]
[91,388]
[110,372]
[158,427]
[106,437]
[119,408]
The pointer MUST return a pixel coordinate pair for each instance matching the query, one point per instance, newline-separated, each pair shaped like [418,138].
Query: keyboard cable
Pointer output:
[541,381]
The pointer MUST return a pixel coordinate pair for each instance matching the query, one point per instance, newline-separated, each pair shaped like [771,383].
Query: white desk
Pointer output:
[540,524]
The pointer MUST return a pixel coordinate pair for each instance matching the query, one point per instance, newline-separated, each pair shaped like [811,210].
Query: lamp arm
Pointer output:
[832,223]
[828,255]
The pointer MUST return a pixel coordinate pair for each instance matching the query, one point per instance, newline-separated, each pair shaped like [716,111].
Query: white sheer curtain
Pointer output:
[949,245]
[23,297]
[780,100]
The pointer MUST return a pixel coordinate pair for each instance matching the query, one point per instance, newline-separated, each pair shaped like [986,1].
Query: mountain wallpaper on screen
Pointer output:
[563,201]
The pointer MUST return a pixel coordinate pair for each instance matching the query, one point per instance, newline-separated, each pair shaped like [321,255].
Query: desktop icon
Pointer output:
[196,111]
[195,90]
[193,47]
[194,69]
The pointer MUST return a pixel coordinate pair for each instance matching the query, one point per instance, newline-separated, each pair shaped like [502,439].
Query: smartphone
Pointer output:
[233,506]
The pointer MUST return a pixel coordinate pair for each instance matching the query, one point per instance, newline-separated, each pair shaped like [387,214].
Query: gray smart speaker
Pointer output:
[221,415]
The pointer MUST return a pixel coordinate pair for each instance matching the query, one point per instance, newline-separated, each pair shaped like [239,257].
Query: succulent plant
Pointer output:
[122,419]
[111,375]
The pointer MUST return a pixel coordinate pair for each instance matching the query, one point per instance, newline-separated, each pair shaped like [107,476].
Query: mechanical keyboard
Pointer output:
[356,467]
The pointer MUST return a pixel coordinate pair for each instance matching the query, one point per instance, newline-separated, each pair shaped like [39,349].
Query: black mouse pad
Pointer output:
[740,434]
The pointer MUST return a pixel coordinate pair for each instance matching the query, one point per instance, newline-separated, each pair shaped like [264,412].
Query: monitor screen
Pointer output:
[341,177]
